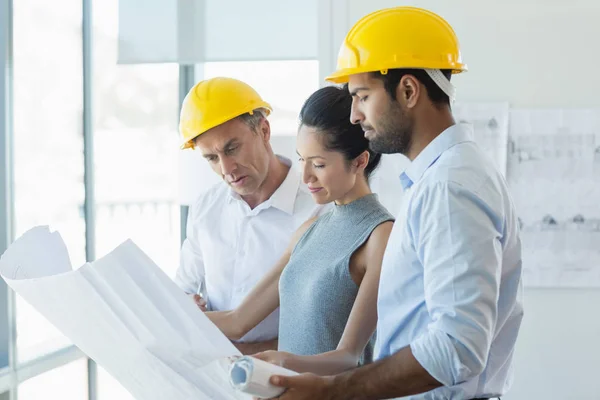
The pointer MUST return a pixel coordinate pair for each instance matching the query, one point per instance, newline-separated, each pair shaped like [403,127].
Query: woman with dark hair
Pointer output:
[326,283]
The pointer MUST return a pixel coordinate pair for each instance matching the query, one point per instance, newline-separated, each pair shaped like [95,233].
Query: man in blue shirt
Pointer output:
[450,296]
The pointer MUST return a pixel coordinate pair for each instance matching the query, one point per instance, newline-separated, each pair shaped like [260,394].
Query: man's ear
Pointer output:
[265,129]
[408,91]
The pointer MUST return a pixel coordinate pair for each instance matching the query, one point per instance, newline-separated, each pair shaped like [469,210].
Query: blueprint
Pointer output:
[554,176]
[490,128]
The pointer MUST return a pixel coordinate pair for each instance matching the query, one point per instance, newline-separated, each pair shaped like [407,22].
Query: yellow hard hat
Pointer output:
[400,37]
[213,102]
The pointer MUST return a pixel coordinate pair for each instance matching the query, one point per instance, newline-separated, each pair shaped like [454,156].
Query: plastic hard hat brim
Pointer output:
[189,144]
[343,75]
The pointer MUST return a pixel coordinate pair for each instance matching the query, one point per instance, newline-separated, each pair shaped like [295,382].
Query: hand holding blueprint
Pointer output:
[127,315]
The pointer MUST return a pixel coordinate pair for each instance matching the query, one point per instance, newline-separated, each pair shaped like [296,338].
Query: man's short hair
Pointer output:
[253,120]
[393,77]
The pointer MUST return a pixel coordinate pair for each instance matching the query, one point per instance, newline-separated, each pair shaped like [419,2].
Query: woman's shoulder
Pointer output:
[380,235]
[380,211]
[383,229]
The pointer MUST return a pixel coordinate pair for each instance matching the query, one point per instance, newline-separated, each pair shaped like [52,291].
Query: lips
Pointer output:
[238,181]
[315,190]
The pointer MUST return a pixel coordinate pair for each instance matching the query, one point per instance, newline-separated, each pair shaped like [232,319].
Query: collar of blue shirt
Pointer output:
[452,136]
[284,197]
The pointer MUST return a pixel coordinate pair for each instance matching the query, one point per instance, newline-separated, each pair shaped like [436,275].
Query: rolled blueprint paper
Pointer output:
[251,376]
[126,314]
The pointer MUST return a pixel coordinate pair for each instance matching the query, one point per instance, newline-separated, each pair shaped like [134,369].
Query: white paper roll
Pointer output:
[251,376]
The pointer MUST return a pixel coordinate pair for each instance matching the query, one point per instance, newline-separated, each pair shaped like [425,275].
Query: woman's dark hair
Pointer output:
[328,111]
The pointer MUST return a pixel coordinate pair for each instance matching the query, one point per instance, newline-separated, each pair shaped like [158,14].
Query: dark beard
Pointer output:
[391,143]
[393,134]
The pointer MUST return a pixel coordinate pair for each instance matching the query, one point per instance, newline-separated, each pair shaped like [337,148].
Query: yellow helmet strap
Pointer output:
[443,83]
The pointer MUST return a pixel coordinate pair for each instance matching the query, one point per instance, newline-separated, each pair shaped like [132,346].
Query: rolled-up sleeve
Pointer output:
[458,239]
[190,273]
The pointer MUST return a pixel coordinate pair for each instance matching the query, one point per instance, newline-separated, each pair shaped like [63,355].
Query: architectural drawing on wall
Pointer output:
[490,126]
[554,175]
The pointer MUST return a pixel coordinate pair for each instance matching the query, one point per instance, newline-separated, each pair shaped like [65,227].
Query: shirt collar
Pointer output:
[284,197]
[452,136]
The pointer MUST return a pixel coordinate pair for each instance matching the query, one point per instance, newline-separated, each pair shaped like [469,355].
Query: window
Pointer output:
[135,148]
[136,144]
[68,382]
[48,142]
[109,388]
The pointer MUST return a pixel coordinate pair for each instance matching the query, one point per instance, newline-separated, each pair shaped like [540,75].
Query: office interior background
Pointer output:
[89,103]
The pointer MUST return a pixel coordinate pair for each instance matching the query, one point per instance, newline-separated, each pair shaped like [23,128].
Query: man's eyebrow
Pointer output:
[230,143]
[227,145]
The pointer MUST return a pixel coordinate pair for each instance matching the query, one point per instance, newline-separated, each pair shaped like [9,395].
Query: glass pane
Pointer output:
[68,382]
[109,388]
[283,84]
[136,112]
[48,142]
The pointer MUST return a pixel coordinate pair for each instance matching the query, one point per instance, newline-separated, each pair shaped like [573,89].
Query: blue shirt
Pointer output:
[451,277]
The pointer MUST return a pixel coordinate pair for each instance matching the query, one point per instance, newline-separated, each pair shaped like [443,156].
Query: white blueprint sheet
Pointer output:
[127,315]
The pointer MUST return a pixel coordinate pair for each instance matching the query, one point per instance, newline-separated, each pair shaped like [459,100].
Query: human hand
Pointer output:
[305,387]
[280,358]
[200,302]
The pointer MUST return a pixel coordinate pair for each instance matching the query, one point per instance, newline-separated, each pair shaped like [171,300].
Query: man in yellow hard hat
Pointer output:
[449,303]
[238,229]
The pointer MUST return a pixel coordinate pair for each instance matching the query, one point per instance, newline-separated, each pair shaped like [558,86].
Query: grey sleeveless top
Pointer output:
[316,290]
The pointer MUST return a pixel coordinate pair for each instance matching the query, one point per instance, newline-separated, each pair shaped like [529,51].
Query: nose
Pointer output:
[228,165]
[356,116]
[307,176]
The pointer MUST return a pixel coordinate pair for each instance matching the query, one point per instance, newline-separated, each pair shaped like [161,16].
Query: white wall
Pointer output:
[521,51]
[533,53]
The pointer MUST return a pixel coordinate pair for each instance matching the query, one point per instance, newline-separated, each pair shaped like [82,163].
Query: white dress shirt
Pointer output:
[451,284]
[230,247]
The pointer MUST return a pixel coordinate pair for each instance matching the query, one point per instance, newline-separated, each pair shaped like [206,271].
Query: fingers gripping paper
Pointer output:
[251,376]
[127,315]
